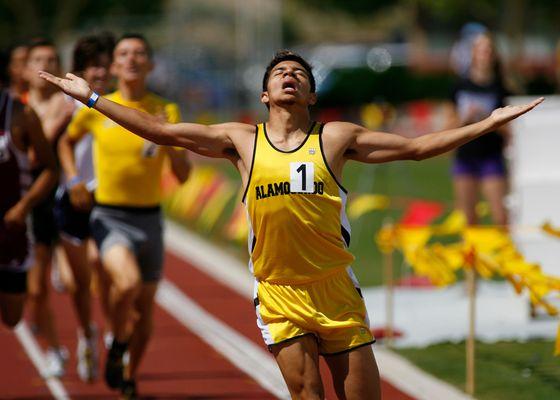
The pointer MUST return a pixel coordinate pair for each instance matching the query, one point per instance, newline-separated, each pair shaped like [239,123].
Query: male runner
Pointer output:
[17,59]
[91,59]
[306,296]
[20,130]
[126,220]
[55,111]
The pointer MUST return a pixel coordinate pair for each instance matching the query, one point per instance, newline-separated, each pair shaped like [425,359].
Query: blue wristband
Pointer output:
[73,182]
[92,99]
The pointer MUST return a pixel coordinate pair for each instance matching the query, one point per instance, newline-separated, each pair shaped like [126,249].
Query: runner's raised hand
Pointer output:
[508,113]
[72,85]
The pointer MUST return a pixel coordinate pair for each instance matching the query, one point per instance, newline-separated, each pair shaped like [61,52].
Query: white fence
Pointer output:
[535,181]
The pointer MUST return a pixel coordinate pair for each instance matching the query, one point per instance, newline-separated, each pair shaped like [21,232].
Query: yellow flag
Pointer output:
[488,249]
[215,205]
[453,224]
[452,254]
[411,239]
[547,227]
[486,239]
[237,228]
[365,203]
[432,265]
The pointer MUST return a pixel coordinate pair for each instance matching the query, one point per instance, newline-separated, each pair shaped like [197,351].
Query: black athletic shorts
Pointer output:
[72,223]
[44,226]
[13,282]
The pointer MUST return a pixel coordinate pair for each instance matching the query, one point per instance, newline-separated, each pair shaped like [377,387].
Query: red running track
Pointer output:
[177,365]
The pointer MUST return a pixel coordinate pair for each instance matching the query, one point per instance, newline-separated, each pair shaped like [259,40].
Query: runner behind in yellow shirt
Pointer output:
[126,220]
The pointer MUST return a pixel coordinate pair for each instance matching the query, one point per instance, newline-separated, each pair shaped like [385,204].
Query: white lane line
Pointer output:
[34,352]
[211,260]
[228,270]
[241,352]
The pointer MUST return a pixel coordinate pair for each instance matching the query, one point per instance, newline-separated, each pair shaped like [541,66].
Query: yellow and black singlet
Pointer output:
[298,229]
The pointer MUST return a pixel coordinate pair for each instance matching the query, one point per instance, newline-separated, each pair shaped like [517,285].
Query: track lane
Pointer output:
[177,365]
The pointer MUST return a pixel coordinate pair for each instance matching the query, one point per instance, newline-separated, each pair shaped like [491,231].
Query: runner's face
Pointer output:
[97,74]
[483,52]
[131,61]
[43,58]
[17,64]
[289,84]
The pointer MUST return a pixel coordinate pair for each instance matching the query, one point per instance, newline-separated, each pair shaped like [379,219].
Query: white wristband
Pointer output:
[92,100]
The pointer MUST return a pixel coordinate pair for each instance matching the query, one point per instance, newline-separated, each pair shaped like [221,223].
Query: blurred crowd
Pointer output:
[81,202]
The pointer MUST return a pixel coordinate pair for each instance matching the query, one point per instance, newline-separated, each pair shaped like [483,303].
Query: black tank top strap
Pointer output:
[4,96]
[8,114]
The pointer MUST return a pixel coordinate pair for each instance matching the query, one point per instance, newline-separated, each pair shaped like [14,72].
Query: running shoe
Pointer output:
[128,390]
[108,340]
[56,360]
[114,365]
[88,356]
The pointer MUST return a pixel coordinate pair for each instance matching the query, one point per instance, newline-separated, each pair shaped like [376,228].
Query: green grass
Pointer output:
[504,370]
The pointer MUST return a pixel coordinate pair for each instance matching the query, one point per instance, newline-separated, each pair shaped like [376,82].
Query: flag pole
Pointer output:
[470,345]
[389,291]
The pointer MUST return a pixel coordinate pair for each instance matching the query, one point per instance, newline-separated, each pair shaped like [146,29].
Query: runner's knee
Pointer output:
[304,388]
[307,392]
[126,285]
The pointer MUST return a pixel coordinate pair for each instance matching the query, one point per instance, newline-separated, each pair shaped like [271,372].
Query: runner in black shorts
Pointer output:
[74,199]
[20,131]
[55,112]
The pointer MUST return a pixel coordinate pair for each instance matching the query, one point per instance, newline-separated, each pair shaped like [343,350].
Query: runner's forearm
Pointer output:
[40,188]
[433,144]
[141,123]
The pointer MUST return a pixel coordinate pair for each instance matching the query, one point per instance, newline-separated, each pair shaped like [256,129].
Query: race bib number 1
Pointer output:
[302,177]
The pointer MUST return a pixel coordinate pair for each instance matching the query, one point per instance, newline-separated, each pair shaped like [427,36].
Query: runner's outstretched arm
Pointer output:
[375,147]
[208,140]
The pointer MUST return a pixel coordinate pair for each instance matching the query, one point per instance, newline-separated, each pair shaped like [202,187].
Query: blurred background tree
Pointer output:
[21,20]
[210,52]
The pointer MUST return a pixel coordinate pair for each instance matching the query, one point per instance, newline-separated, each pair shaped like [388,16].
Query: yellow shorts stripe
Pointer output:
[331,309]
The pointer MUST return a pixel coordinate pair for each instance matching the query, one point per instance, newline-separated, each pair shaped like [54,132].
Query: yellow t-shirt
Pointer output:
[298,227]
[127,167]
